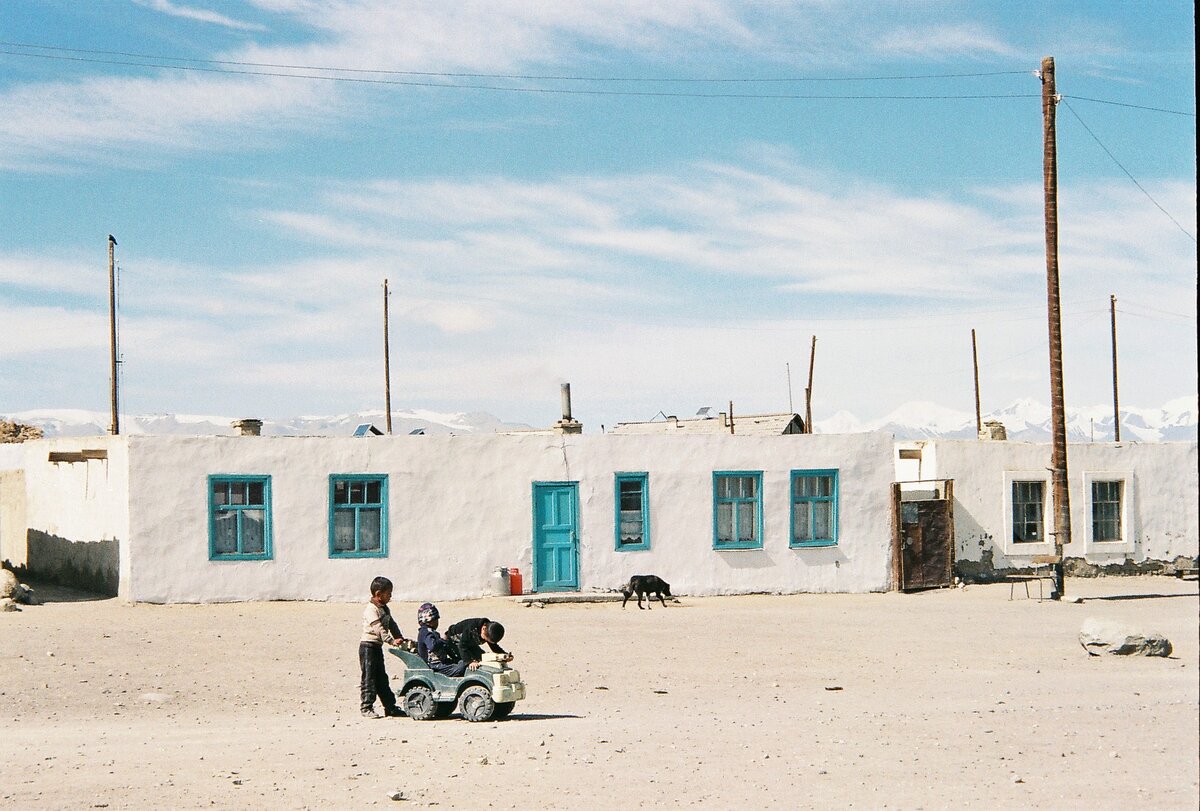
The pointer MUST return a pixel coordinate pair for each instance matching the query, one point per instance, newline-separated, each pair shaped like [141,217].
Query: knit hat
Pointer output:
[427,613]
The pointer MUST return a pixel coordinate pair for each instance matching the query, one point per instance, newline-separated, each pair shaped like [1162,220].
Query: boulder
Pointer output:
[7,604]
[1105,636]
[8,583]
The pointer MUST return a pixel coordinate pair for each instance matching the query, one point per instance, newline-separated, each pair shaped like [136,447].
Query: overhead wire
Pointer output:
[542,90]
[562,78]
[1121,166]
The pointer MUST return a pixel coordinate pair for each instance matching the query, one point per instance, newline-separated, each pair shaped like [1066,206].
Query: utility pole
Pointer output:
[1112,310]
[975,358]
[812,359]
[114,427]
[1058,419]
[791,408]
[387,361]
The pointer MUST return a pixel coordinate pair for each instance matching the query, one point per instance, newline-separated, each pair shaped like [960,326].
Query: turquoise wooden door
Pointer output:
[555,537]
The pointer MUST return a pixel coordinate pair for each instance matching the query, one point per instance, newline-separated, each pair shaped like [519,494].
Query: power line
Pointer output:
[1126,171]
[544,90]
[535,77]
[1134,106]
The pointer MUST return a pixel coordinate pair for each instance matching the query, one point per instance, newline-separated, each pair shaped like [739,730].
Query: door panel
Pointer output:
[555,537]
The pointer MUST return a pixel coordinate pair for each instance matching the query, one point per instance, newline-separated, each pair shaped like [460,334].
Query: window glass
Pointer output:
[343,531]
[1106,510]
[1027,504]
[253,535]
[737,510]
[225,533]
[369,530]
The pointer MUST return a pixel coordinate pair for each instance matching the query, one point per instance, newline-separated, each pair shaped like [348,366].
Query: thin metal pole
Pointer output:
[1058,461]
[791,408]
[731,417]
[114,427]
[975,358]
[812,359]
[1112,308]
[387,361]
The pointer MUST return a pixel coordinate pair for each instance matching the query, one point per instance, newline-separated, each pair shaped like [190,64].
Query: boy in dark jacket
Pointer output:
[439,654]
[470,635]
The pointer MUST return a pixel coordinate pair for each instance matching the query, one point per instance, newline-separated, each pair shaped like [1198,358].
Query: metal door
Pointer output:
[555,536]
[926,541]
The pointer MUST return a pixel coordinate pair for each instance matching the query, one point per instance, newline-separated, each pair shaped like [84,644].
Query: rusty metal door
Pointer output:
[926,542]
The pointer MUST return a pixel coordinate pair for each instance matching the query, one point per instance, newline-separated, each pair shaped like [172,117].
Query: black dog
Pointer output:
[646,584]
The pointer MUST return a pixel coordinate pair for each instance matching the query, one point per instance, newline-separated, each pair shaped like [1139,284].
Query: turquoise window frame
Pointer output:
[381,505]
[831,499]
[214,509]
[644,479]
[756,500]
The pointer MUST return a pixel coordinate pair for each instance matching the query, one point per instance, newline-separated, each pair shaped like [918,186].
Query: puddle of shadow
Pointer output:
[54,593]
[534,716]
[1138,597]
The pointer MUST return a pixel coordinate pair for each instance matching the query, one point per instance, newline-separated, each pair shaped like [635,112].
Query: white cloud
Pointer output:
[938,41]
[199,14]
[113,118]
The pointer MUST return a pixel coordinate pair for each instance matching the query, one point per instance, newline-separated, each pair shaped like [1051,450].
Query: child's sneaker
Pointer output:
[369,712]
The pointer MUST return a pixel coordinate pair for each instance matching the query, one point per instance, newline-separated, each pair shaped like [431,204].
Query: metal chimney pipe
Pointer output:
[566,400]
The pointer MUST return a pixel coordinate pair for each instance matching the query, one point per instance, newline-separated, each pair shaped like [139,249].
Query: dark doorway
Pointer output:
[923,534]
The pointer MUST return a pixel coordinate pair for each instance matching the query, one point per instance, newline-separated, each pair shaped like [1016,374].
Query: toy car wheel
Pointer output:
[419,704]
[477,704]
[503,709]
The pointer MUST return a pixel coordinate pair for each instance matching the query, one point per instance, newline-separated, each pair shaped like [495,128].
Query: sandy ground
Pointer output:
[948,699]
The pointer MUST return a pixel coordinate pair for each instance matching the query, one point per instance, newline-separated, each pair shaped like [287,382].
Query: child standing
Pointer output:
[379,629]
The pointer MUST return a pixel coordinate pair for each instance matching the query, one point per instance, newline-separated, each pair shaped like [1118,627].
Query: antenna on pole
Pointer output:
[975,359]
[1112,308]
[387,362]
[788,367]
[114,426]
[812,359]
[1058,420]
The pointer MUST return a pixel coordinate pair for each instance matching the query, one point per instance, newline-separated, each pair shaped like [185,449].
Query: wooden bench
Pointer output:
[1043,571]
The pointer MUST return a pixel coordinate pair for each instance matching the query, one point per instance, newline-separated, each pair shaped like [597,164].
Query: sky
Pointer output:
[660,203]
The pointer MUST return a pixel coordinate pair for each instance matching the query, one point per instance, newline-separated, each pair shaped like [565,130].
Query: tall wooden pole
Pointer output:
[387,361]
[975,359]
[812,359]
[1058,419]
[1112,309]
[114,426]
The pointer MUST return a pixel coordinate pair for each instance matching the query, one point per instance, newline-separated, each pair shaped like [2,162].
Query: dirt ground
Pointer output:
[957,698]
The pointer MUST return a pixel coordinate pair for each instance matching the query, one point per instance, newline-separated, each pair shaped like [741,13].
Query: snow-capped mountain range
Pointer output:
[1025,420]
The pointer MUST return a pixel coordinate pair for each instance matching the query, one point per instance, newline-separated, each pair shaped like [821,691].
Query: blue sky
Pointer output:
[668,240]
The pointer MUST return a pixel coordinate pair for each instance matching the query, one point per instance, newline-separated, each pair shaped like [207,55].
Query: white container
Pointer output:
[499,581]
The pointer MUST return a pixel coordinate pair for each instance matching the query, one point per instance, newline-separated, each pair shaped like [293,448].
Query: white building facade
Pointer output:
[1134,507]
[197,519]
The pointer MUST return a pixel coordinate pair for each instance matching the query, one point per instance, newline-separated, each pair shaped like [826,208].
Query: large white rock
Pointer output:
[8,583]
[1105,636]
[6,604]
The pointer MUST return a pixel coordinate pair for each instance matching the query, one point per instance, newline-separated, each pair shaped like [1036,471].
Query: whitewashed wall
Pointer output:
[461,506]
[1160,502]
[76,513]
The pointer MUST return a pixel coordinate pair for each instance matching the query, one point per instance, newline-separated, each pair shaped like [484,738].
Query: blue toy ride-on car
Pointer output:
[487,693]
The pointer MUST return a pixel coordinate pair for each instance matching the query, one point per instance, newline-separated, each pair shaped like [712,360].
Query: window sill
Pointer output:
[645,547]
[351,555]
[813,545]
[737,548]
[235,558]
